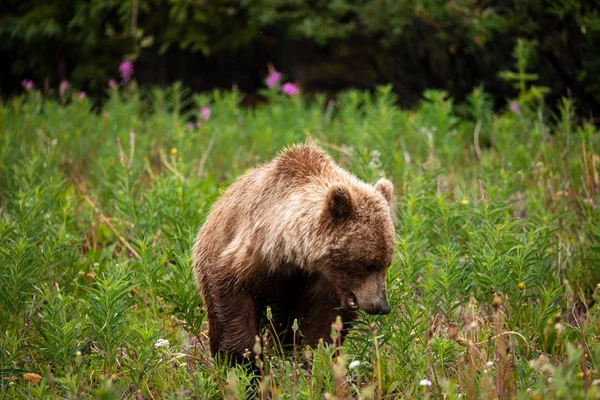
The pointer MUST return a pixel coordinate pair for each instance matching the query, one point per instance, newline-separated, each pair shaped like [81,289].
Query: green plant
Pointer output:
[109,316]
[521,78]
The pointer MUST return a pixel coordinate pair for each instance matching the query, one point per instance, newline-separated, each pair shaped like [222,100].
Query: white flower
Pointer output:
[161,343]
[375,160]
[425,382]
[348,149]
[489,364]
[354,364]
[559,327]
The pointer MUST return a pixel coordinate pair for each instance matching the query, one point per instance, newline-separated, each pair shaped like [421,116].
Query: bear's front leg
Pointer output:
[233,324]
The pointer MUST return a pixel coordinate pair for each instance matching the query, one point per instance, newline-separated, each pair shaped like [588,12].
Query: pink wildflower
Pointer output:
[514,107]
[273,77]
[126,71]
[290,89]
[205,113]
[112,83]
[62,89]
[27,84]
[190,126]
[82,95]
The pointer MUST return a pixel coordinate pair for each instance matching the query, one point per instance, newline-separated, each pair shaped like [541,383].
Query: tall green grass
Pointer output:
[494,286]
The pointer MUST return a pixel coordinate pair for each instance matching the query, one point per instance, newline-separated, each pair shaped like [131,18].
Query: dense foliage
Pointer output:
[415,45]
[495,284]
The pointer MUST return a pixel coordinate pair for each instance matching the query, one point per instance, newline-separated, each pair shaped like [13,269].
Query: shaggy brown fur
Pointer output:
[299,232]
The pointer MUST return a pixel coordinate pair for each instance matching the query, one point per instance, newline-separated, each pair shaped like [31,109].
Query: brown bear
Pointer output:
[299,232]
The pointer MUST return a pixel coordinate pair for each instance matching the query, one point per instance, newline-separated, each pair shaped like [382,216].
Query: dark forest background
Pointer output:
[322,45]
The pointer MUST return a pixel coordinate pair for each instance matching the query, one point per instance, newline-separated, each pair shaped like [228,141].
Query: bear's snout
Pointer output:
[379,307]
[371,295]
[383,308]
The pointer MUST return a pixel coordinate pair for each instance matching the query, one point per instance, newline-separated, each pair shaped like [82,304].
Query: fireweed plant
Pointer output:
[495,283]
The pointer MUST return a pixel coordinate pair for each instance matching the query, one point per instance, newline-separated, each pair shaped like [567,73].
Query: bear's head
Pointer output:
[359,223]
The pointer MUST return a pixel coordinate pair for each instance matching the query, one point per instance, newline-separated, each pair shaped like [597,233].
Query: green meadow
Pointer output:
[495,284]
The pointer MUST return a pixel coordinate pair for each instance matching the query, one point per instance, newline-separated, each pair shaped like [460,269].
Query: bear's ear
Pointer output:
[386,188]
[339,203]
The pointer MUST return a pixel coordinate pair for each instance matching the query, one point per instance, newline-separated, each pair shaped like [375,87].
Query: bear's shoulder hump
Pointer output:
[302,161]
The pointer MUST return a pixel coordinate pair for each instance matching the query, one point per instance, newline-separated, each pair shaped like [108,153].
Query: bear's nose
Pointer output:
[384,308]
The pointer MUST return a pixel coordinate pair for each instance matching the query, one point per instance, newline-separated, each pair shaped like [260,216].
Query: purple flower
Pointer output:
[190,126]
[64,85]
[82,95]
[112,83]
[290,89]
[514,107]
[126,70]
[27,84]
[589,201]
[204,113]
[273,79]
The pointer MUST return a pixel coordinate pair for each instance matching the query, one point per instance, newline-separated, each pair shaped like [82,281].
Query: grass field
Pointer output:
[495,283]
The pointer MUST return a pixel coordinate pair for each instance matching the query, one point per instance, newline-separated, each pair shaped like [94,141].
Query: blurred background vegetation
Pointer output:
[323,45]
